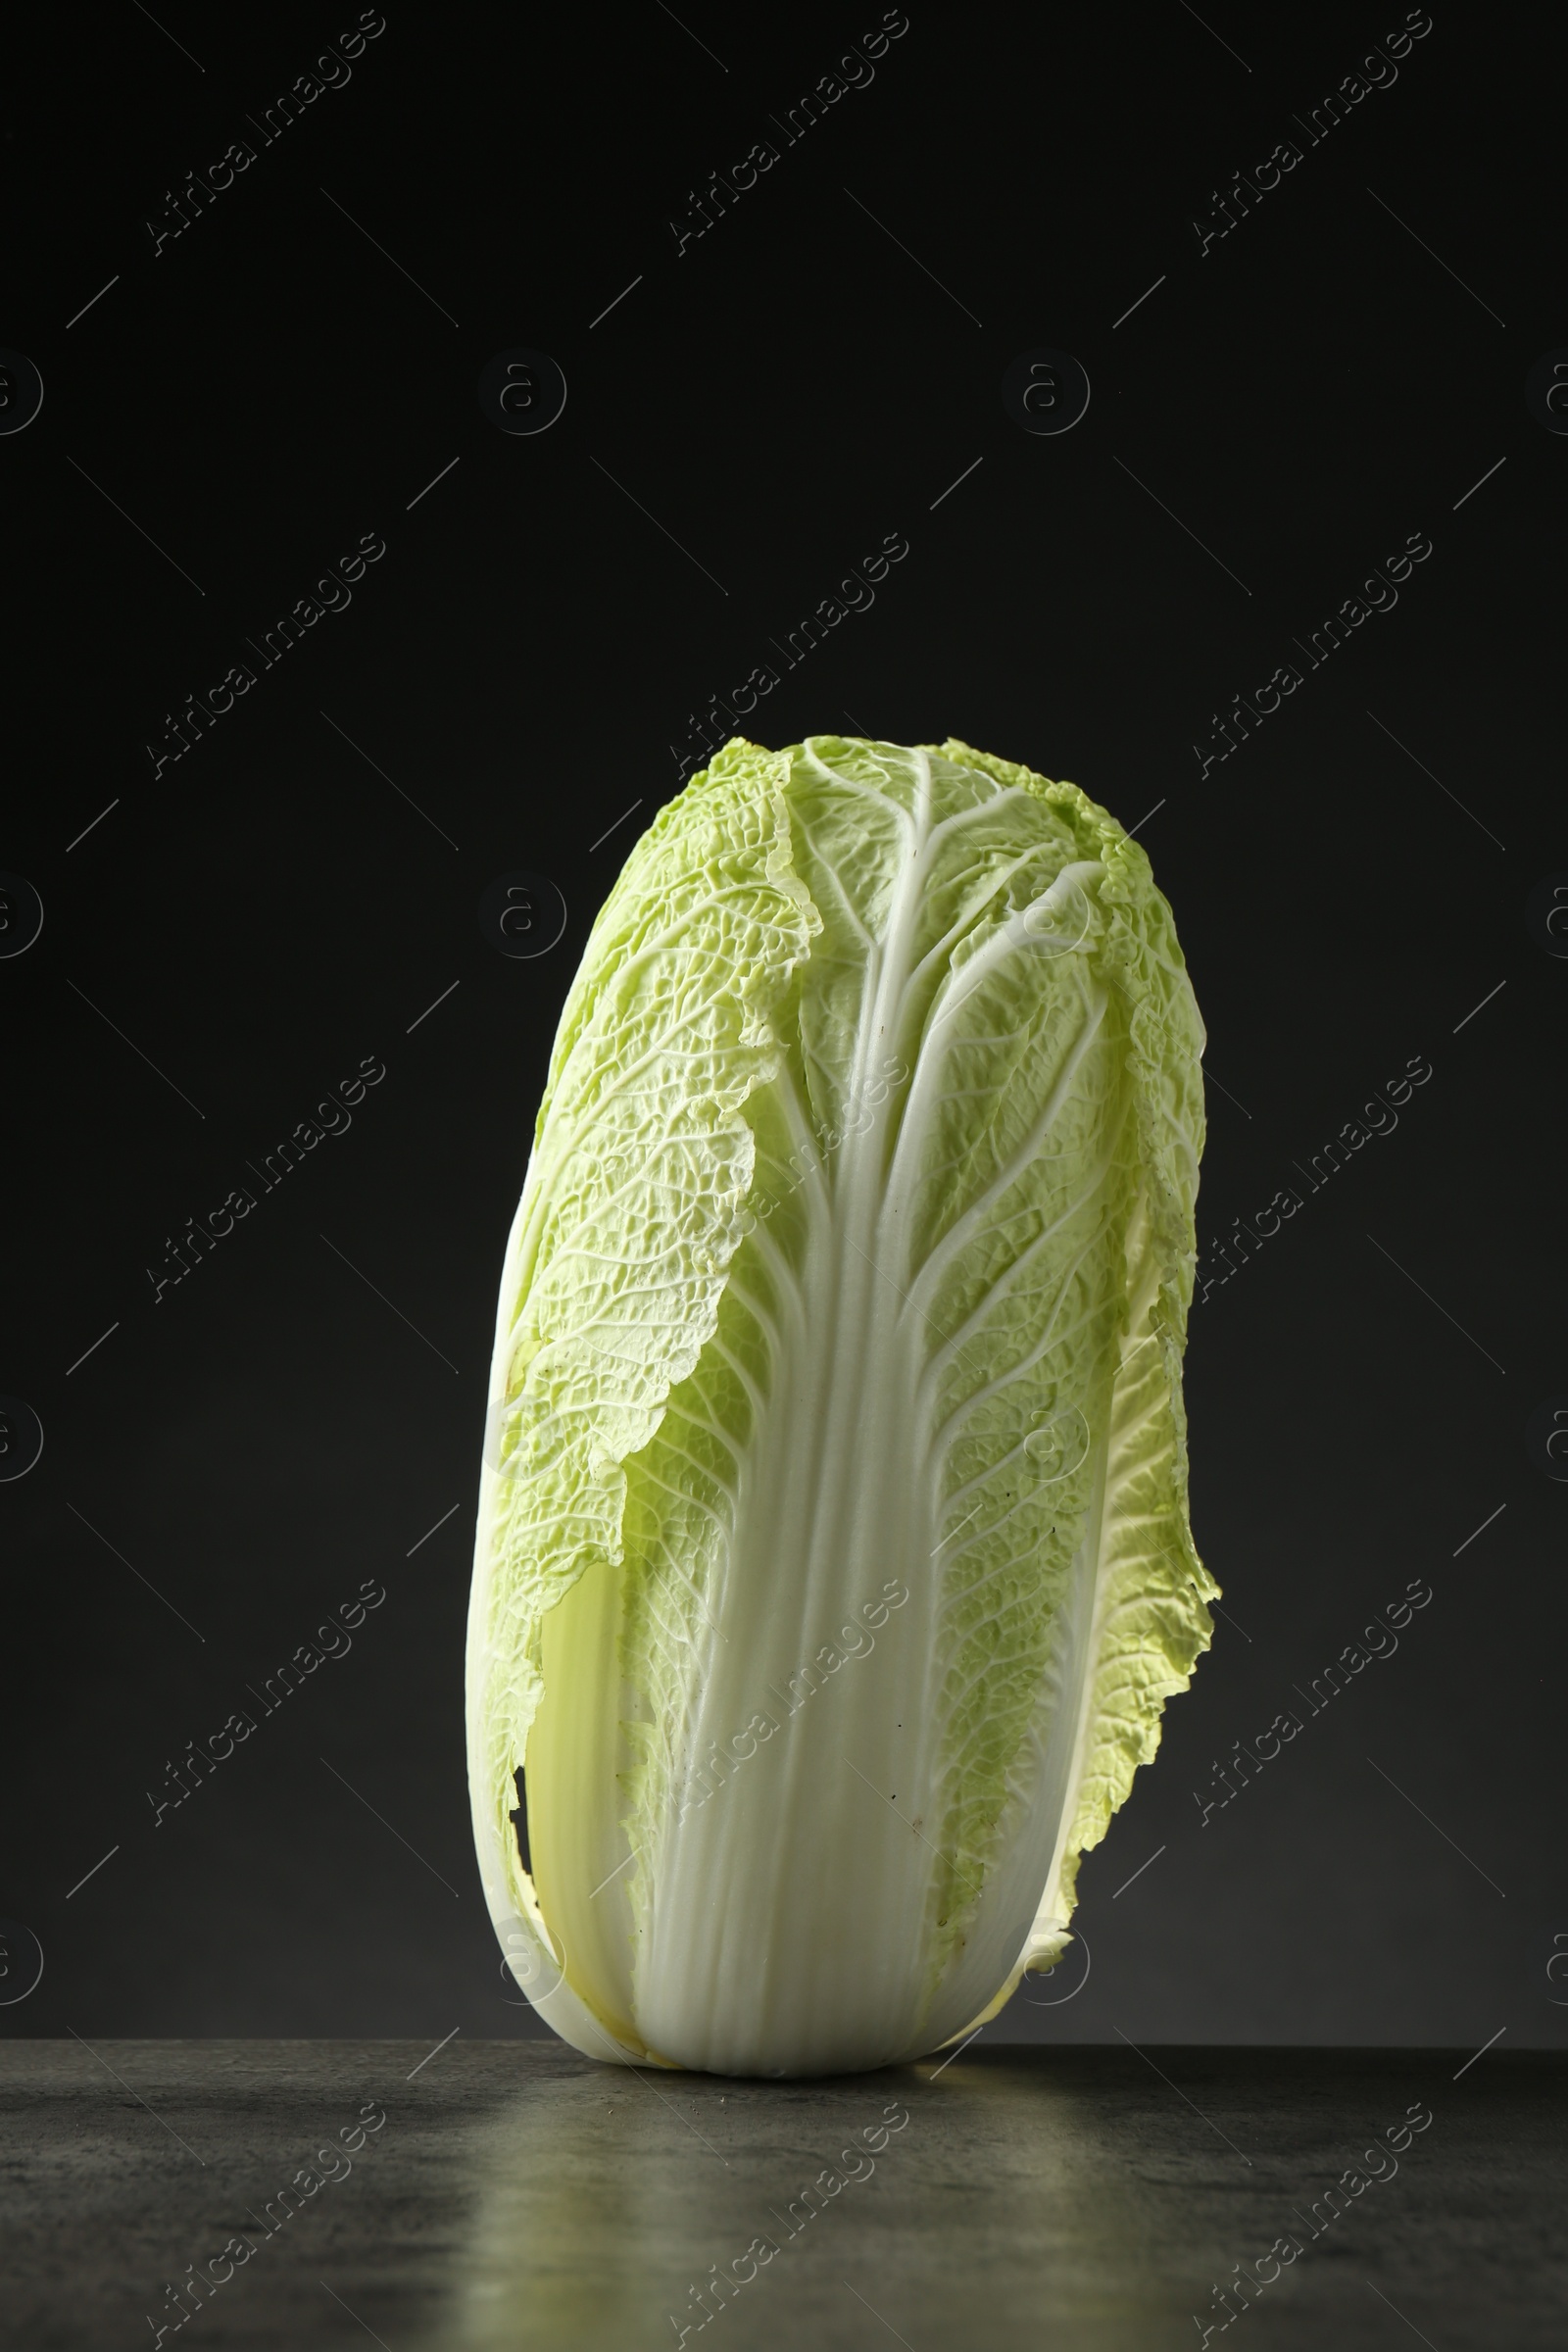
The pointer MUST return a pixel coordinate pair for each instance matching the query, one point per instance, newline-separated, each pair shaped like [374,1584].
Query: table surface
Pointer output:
[517,2195]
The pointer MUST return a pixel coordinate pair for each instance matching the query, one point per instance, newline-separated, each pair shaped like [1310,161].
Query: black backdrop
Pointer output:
[289,383]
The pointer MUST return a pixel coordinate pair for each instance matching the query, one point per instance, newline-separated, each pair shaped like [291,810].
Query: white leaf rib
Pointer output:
[993,1470]
[761,1315]
[664,1585]
[997,797]
[782,1271]
[672,935]
[941,1442]
[1001,1286]
[963,1591]
[837,776]
[957,1698]
[727,1355]
[800,1132]
[679,1418]
[821,860]
[927,1277]
[1005,942]
[684,1494]
[966,921]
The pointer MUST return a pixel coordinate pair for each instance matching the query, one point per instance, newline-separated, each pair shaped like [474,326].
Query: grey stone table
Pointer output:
[513,2194]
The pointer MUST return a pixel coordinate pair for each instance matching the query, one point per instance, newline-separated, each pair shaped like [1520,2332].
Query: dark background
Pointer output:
[234,935]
